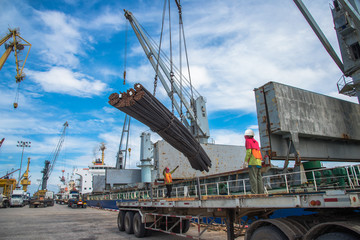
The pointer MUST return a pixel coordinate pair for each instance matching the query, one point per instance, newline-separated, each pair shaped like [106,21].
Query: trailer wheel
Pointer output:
[139,227]
[185,226]
[336,236]
[268,233]
[121,220]
[129,220]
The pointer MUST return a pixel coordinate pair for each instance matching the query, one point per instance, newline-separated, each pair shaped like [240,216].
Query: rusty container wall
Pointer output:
[322,127]
[122,176]
[224,158]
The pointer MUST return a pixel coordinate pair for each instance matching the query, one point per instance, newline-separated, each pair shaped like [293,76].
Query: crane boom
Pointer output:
[49,165]
[195,108]
[346,18]
[15,46]
[8,174]
[315,27]
[7,37]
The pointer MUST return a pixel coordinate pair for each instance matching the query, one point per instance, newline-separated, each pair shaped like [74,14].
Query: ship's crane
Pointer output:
[346,17]
[49,165]
[102,149]
[14,44]
[121,155]
[178,87]
[25,178]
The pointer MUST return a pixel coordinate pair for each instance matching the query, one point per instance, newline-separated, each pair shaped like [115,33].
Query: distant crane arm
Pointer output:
[315,27]
[49,166]
[9,173]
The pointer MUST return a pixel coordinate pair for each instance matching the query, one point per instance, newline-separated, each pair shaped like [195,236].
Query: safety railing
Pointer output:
[345,177]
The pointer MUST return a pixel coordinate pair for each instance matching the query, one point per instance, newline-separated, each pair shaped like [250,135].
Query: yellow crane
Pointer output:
[25,179]
[102,148]
[14,44]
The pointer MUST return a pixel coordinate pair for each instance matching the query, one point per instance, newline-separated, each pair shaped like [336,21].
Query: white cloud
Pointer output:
[107,19]
[62,80]
[62,42]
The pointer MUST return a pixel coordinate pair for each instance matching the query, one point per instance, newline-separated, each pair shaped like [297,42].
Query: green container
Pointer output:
[339,172]
[311,165]
[310,177]
[327,174]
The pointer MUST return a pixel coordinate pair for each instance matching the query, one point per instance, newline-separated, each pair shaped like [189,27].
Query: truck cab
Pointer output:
[17,198]
[75,200]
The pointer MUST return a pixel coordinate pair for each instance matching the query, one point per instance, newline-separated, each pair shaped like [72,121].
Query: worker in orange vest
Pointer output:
[168,180]
[254,159]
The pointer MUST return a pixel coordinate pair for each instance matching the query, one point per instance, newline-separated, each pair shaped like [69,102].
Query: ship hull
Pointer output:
[105,204]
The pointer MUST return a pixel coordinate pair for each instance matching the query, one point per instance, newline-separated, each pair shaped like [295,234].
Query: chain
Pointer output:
[155,84]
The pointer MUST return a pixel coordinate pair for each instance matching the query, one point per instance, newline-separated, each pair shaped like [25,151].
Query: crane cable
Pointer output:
[158,58]
[171,64]
[182,32]
[180,57]
[16,100]
[125,53]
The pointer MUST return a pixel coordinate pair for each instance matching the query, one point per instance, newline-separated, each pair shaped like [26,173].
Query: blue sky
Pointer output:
[77,61]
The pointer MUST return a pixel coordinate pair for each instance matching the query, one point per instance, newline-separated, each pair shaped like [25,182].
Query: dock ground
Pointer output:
[62,222]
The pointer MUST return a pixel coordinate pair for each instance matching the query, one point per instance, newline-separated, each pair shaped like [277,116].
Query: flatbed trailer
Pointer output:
[329,206]
[322,207]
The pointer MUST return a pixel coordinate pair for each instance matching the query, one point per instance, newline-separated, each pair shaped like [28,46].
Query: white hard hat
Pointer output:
[249,132]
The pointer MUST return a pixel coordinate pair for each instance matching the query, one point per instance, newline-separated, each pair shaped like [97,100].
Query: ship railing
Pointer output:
[344,177]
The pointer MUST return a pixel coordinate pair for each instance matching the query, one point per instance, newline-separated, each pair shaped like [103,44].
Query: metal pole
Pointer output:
[23,145]
[22,154]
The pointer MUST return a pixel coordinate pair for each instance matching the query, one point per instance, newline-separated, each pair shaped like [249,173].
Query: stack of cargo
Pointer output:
[143,106]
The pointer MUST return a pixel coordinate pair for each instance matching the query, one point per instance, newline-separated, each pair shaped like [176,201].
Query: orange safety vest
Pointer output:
[256,153]
[168,178]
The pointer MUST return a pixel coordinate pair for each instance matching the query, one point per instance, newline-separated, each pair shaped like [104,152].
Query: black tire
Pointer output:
[139,227]
[337,236]
[268,233]
[129,220]
[121,220]
[148,232]
[185,226]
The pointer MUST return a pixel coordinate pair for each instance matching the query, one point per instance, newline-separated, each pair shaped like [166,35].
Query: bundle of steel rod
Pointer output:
[143,106]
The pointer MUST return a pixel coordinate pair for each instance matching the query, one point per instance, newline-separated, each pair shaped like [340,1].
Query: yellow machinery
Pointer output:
[8,185]
[25,179]
[15,45]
